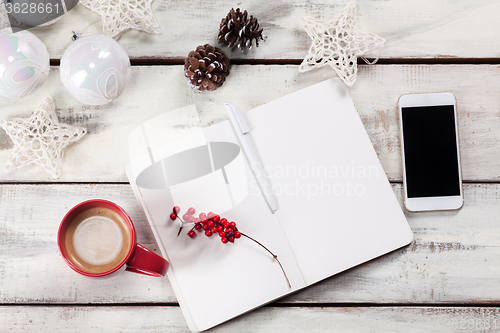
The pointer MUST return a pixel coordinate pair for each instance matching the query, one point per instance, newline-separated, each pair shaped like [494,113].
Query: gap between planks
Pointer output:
[385,61]
[271,305]
[14,183]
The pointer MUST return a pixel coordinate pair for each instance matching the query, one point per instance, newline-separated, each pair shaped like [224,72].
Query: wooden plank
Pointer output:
[30,264]
[269,319]
[103,154]
[455,257]
[423,29]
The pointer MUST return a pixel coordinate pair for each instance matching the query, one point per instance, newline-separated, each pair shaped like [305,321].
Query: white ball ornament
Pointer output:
[95,69]
[24,64]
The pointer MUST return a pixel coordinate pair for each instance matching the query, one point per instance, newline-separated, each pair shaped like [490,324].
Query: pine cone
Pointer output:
[236,27]
[206,68]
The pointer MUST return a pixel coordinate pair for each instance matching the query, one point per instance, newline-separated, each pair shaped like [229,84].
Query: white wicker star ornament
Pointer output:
[40,139]
[120,15]
[339,43]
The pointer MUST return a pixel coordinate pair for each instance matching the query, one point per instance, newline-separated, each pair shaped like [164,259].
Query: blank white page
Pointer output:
[215,282]
[336,206]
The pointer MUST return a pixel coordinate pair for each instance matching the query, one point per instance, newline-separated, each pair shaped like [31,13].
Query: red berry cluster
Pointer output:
[210,223]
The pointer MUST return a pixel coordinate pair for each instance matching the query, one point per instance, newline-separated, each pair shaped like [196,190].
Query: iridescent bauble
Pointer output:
[95,69]
[24,64]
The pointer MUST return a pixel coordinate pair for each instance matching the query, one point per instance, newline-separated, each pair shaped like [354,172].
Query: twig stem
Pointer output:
[274,256]
[180,228]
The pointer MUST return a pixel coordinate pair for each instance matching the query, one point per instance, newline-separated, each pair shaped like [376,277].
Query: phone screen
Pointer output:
[430,151]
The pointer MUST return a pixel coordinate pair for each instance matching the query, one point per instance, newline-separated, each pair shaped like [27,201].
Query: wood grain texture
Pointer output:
[423,29]
[269,319]
[455,257]
[30,264]
[103,153]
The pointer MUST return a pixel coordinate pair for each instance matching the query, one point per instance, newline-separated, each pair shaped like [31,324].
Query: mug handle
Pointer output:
[145,261]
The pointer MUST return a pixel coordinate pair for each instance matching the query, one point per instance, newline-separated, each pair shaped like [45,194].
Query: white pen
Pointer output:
[241,127]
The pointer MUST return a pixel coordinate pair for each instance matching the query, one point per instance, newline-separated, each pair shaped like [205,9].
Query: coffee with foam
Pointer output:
[98,240]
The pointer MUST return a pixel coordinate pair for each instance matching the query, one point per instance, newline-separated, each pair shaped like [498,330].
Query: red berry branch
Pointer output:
[212,224]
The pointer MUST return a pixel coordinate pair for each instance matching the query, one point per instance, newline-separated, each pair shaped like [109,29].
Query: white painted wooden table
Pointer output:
[447,280]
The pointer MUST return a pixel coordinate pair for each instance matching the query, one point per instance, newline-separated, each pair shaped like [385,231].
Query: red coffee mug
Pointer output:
[136,257]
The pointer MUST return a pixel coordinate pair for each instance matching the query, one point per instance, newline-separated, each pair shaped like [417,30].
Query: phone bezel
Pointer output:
[429,203]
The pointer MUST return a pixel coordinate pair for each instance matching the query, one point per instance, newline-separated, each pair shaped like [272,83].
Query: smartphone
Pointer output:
[432,178]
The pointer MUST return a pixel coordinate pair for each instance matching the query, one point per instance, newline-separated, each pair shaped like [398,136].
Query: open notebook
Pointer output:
[336,208]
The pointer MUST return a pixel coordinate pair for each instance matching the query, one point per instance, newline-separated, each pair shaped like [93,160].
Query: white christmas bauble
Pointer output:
[24,64]
[95,69]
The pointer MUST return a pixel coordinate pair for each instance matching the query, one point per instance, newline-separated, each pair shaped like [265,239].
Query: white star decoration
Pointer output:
[40,139]
[120,15]
[339,43]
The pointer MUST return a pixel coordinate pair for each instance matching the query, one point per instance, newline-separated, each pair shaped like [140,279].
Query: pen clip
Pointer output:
[237,117]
